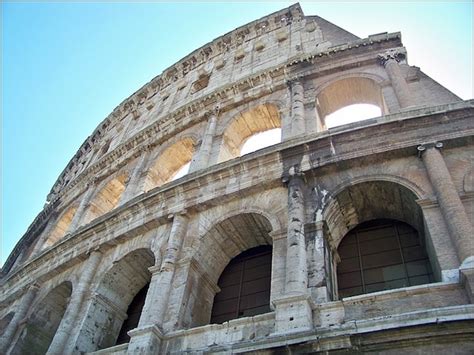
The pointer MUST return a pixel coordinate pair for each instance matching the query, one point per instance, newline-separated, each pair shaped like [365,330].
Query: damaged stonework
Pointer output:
[356,238]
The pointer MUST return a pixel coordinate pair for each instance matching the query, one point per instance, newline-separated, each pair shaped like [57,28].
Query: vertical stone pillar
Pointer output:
[296,264]
[82,208]
[297,108]
[134,183]
[293,309]
[147,337]
[20,314]
[317,270]
[452,208]
[202,157]
[79,293]
[390,60]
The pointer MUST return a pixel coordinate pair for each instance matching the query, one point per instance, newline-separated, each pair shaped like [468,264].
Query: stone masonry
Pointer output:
[116,222]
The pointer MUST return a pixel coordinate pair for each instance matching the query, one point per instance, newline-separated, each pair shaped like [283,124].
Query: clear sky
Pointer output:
[66,66]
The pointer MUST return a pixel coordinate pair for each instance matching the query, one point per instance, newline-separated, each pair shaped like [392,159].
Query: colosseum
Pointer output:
[346,238]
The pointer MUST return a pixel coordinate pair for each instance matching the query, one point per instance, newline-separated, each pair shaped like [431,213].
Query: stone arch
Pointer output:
[43,321]
[115,291]
[107,198]
[246,124]
[349,90]
[372,200]
[419,192]
[272,219]
[61,226]
[356,202]
[224,241]
[169,161]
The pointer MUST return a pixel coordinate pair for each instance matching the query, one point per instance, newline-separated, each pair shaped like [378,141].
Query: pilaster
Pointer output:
[19,317]
[71,315]
[201,160]
[454,214]
[133,185]
[297,108]
[293,307]
[390,60]
[157,298]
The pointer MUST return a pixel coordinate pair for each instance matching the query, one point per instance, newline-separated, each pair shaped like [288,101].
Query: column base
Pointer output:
[293,313]
[145,340]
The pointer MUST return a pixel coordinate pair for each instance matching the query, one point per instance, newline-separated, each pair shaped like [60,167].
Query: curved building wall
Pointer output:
[117,222]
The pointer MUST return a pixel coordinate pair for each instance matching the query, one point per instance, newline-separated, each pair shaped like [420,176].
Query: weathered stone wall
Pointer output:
[117,222]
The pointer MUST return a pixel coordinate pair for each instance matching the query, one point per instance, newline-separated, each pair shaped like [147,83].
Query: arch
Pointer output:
[359,201]
[381,254]
[115,292]
[246,124]
[106,199]
[218,246]
[169,162]
[43,322]
[61,227]
[275,224]
[400,180]
[350,90]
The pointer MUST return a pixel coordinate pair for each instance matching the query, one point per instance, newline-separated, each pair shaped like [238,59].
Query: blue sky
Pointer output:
[66,66]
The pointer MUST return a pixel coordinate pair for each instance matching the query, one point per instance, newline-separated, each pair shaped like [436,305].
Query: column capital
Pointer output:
[424,146]
[293,173]
[182,213]
[392,54]
[295,80]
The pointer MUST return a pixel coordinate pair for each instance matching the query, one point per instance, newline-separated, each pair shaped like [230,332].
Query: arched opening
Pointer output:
[134,312]
[118,302]
[261,140]
[244,286]
[355,97]
[43,322]
[226,240]
[106,199]
[352,113]
[368,222]
[171,164]
[245,125]
[181,171]
[61,227]
[381,254]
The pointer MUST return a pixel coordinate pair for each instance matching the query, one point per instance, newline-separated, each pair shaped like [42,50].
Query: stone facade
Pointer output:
[116,222]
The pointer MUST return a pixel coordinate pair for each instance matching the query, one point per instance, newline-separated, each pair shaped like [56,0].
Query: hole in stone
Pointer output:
[291,318]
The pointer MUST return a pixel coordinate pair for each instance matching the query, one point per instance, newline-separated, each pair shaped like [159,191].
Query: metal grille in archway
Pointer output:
[245,286]
[381,255]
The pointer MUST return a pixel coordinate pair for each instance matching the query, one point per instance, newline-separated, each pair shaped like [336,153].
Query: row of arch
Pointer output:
[250,130]
[379,247]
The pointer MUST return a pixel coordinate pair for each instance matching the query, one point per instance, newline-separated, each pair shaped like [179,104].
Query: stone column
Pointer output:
[297,108]
[317,268]
[134,183]
[20,314]
[293,309]
[296,264]
[146,338]
[82,208]
[71,315]
[390,60]
[452,208]
[202,157]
